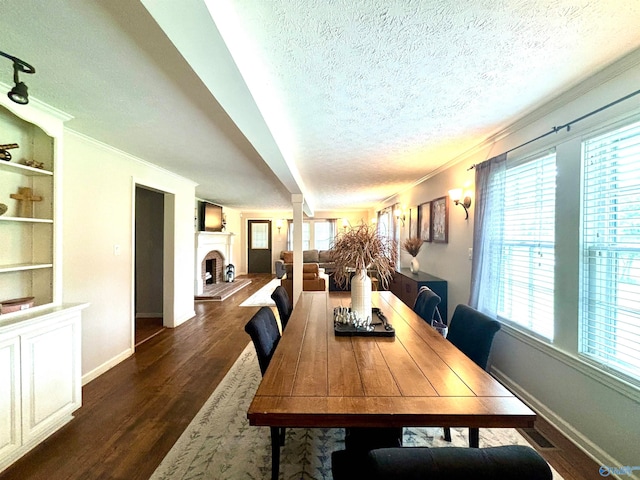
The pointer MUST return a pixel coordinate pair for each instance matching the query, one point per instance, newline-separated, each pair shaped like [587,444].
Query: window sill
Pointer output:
[584,367]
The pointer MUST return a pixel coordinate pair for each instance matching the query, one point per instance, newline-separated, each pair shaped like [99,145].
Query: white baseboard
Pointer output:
[96,372]
[183,318]
[578,439]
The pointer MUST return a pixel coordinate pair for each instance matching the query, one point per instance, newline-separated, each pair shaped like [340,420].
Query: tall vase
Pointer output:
[361,295]
[414,266]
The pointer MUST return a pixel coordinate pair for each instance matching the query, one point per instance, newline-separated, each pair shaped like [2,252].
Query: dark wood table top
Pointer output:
[417,378]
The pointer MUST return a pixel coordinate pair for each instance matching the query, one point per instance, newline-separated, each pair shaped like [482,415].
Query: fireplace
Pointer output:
[211,246]
[212,268]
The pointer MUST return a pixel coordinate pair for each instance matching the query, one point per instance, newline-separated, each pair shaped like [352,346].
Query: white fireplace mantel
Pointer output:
[222,242]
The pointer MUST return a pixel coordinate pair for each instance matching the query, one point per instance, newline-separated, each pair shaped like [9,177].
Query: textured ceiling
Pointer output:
[348,101]
[392,89]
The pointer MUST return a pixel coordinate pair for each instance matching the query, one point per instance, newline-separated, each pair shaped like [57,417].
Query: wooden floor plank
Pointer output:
[133,414]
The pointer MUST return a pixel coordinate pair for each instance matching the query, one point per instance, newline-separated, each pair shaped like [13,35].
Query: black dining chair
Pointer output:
[472,332]
[263,330]
[508,462]
[426,305]
[283,303]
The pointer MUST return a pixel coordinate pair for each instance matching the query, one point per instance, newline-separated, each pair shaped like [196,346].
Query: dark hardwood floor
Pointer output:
[133,414]
[146,328]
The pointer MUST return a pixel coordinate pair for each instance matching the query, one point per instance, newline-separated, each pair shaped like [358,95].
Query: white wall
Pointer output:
[598,412]
[98,195]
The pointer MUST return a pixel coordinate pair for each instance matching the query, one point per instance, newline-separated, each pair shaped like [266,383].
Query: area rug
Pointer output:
[222,290]
[262,298]
[219,443]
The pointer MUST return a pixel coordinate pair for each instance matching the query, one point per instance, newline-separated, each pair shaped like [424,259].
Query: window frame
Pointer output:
[594,326]
[310,225]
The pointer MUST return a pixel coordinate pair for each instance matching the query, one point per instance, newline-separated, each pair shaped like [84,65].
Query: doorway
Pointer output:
[259,247]
[149,264]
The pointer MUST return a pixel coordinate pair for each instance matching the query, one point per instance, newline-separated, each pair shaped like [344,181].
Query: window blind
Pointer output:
[526,276]
[319,237]
[610,280]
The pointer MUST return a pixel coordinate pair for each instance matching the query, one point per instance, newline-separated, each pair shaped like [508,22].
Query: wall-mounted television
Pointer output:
[210,217]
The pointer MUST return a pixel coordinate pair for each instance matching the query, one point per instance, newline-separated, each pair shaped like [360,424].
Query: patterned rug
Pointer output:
[262,298]
[219,444]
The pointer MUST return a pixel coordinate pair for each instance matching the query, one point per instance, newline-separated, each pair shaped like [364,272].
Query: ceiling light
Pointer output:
[19,93]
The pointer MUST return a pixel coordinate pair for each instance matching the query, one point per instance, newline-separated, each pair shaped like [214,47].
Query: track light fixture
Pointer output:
[19,92]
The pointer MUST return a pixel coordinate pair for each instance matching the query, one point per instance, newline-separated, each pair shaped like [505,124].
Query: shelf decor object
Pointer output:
[4,154]
[16,304]
[412,246]
[26,198]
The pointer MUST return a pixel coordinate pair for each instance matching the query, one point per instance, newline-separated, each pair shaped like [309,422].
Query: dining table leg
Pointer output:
[275,453]
[474,437]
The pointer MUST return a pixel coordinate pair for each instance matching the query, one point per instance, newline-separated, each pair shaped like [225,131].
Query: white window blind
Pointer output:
[526,258]
[610,280]
[319,237]
[324,233]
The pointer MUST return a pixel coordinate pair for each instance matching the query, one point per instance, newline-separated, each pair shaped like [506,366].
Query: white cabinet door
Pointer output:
[51,388]
[10,435]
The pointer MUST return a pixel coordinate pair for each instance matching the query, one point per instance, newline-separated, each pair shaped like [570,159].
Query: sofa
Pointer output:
[312,279]
[321,257]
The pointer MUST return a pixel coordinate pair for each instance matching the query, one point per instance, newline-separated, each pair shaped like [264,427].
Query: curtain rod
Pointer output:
[568,125]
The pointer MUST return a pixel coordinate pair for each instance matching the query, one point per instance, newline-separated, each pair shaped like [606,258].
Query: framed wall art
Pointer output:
[413,222]
[424,221]
[440,220]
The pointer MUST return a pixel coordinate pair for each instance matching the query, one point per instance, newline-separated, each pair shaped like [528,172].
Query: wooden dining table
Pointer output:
[415,378]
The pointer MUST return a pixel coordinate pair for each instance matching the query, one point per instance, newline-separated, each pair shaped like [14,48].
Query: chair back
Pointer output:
[426,305]
[263,330]
[508,462]
[283,303]
[472,332]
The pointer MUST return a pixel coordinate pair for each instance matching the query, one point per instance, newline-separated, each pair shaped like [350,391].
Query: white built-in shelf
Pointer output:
[23,169]
[24,219]
[20,267]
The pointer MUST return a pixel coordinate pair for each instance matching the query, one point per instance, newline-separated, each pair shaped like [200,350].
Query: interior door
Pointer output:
[259,254]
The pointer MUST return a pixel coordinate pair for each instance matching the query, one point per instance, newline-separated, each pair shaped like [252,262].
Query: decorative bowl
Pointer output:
[16,304]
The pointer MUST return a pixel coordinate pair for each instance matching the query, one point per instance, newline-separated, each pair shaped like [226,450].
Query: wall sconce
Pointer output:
[400,216]
[19,92]
[455,195]
[279,225]
[345,224]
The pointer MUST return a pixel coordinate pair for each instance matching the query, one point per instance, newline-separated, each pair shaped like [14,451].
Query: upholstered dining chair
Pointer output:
[472,332]
[509,462]
[283,303]
[426,305]
[263,330]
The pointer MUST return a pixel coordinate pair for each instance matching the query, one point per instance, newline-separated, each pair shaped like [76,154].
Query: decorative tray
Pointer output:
[379,327]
